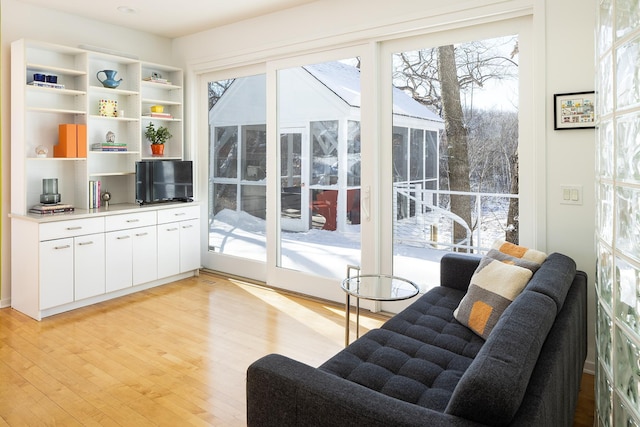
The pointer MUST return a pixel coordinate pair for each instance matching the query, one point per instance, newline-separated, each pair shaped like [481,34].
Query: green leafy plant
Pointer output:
[157,136]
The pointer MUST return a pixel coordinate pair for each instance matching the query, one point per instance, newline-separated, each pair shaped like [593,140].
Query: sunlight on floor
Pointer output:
[323,325]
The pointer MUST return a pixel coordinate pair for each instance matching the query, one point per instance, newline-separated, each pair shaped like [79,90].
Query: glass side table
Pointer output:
[376,287]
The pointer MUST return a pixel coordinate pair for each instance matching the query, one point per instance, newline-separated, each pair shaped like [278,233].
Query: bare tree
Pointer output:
[458,151]
[441,78]
[217,89]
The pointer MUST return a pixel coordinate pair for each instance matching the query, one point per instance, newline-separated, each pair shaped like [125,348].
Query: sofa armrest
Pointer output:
[283,392]
[457,269]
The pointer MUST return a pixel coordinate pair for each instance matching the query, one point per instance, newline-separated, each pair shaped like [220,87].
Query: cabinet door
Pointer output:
[189,245]
[56,272]
[119,252]
[145,255]
[89,266]
[168,249]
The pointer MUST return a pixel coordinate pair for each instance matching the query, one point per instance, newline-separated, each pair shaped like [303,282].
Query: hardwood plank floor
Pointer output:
[172,355]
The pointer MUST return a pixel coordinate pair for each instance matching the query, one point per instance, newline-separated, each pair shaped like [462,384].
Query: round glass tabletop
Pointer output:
[379,287]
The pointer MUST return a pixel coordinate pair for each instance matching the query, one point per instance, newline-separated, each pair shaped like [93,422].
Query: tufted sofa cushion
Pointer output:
[418,356]
[556,278]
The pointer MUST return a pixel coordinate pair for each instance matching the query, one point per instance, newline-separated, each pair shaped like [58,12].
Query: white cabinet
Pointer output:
[145,256]
[189,245]
[71,261]
[88,266]
[64,262]
[38,108]
[119,252]
[131,257]
[178,240]
[56,271]
[130,250]
[168,249]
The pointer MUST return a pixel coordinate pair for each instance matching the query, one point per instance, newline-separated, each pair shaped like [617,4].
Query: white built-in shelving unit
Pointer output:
[37,111]
[62,262]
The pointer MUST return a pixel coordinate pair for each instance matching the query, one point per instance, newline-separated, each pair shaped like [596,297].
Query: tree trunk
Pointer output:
[512,234]
[456,133]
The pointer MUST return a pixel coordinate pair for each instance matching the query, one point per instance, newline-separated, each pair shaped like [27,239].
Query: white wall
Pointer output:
[21,20]
[565,63]
[571,153]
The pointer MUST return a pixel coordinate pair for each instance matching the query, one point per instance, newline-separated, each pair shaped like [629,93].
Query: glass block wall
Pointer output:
[618,213]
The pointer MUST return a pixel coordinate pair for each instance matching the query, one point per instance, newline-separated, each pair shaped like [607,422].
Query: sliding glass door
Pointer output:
[347,159]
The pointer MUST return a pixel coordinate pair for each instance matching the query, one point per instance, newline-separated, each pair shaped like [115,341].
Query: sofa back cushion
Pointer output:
[456,270]
[492,388]
[555,279]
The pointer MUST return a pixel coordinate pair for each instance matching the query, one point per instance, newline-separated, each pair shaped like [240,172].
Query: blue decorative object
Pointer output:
[110,80]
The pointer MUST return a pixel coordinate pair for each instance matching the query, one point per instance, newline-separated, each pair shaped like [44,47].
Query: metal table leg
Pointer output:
[347,311]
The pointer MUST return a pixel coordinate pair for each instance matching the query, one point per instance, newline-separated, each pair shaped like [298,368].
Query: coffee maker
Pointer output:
[50,195]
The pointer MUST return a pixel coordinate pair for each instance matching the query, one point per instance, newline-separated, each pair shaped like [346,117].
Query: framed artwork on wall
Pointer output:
[574,110]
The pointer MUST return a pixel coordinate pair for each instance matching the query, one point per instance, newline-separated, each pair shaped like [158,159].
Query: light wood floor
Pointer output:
[173,355]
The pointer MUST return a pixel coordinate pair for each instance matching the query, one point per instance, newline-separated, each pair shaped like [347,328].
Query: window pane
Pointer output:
[417,154]
[324,143]
[226,152]
[254,153]
[237,213]
[318,110]
[445,182]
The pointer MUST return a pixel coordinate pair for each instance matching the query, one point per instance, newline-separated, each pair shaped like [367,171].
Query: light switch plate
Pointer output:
[571,194]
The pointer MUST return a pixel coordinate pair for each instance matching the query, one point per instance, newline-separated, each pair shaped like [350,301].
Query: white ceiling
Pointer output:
[169,18]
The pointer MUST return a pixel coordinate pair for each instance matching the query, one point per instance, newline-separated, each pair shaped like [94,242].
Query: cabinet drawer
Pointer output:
[71,228]
[178,214]
[134,220]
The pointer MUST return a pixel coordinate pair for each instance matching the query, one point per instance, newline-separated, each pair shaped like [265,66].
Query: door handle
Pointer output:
[366,201]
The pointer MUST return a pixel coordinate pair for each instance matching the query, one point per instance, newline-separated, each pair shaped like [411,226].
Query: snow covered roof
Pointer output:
[344,80]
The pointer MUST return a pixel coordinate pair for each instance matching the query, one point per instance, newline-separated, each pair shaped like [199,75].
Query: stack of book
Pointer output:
[109,146]
[51,209]
[156,80]
[46,84]
[159,115]
[94,194]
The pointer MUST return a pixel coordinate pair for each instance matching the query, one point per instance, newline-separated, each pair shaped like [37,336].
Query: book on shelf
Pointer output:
[109,146]
[46,84]
[94,194]
[51,209]
[51,212]
[159,115]
[157,80]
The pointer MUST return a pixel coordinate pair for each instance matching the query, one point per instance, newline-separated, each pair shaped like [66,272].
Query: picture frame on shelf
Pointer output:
[574,110]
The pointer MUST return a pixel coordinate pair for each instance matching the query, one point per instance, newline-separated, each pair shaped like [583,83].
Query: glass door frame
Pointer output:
[233,265]
[295,281]
[530,156]
[376,127]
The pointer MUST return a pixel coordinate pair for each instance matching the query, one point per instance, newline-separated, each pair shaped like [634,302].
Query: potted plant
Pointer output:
[157,137]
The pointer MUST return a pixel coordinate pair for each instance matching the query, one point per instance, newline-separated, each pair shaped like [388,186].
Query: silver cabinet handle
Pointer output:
[61,247]
[74,228]
[141,234]
[133,220]
[90,242]
[172,229]
[187,226]
[179,214]
[122,237]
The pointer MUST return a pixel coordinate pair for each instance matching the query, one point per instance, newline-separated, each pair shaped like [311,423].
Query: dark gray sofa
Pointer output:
[423,368]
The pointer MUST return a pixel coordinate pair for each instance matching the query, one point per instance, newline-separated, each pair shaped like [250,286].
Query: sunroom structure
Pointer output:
[318,118]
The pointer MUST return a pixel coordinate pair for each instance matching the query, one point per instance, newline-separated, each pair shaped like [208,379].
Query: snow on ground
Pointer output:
[320,252]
